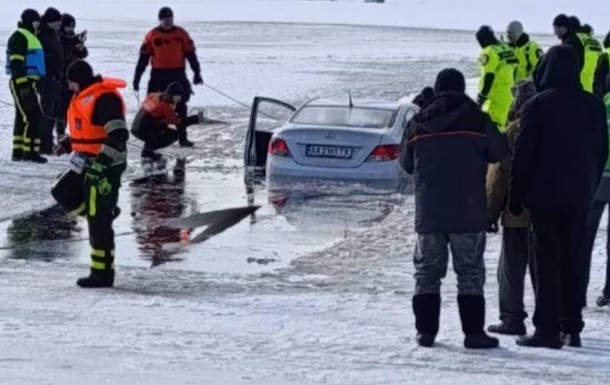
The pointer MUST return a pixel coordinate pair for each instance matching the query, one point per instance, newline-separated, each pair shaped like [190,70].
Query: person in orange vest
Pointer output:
[98,140]
[167,48]
[153,122]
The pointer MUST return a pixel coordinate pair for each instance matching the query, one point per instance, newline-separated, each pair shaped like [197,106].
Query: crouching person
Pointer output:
[153,120]
[447,148]
[98,138]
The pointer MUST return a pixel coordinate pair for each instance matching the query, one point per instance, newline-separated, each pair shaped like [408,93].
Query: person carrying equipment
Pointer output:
[497,62]
[167,47]
[25,63]
[98,140]
[153,120]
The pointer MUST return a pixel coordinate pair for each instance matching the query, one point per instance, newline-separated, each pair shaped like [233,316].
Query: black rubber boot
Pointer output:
[182,139]
[537,341]
[427,310]
[472,314]
[508,330]
[97,279]
[150,155]
[33,157]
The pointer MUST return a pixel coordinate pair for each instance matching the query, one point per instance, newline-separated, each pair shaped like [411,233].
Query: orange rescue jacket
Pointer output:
[167,49]
[85,136]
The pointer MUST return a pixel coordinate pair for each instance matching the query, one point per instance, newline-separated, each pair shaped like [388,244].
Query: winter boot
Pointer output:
[150,155]
[572,340]
[427,310]
[186,143]
[182,139]
[603,300]
[517,329]
[97,279]
[538,341]
[34,157]
[472,315]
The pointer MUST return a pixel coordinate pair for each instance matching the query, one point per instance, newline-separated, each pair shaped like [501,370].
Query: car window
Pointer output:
[345,116]
[408,116]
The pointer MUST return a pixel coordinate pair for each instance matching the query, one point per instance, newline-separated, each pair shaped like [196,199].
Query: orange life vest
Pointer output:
[85,136]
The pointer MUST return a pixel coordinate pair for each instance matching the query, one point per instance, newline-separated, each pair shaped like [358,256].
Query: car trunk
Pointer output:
[331,146]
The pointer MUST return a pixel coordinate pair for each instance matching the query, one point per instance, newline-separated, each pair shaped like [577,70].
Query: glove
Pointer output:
[95,176]
[481,99]
[197,79]
[515,207]
[492,228]
[64,146]
[136,85]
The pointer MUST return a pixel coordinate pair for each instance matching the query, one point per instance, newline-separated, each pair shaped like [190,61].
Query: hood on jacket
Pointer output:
[486,37]
[443,110]
[558,69]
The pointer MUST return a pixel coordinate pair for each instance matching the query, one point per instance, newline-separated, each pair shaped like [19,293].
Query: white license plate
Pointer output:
[314,151]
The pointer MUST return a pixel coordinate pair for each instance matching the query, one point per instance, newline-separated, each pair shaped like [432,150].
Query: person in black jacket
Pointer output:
[558,161]
[74,49]
[565,29]
[447,147]
[602,70]
[54,59]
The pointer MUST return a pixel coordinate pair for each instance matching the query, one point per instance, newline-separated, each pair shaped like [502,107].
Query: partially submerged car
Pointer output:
[356,140]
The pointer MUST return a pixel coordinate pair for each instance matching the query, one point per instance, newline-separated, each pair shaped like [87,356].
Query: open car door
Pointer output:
[266,116]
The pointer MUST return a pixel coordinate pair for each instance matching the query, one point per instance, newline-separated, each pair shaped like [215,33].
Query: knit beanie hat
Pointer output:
[450,80]
[51,15]
[80,72]
[561,21]
[165,12]
[29,16]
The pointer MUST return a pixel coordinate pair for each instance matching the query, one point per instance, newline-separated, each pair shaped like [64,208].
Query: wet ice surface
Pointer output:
[315,289]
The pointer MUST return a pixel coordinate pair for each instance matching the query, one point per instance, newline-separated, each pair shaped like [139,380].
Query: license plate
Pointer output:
[328,152]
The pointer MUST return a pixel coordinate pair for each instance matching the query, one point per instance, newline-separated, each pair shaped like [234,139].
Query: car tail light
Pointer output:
[384,153]
[278,147]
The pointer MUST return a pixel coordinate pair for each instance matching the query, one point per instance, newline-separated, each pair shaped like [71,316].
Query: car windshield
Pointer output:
[346,116]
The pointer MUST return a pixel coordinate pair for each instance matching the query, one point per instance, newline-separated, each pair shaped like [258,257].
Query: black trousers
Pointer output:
[49,100]
[156,136]
[594,218]
[100,204]
[65,96]
[559,269]
[160,79]
[28,116]
[515,258]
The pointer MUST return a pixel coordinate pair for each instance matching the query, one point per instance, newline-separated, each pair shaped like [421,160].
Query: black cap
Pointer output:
[51,15]
[30,16]
[68,20]
[165,12]
[561,21]
[80,72]
[174,89]
[450,80]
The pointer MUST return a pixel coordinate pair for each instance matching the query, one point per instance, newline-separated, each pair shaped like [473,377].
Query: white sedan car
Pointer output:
[328,139]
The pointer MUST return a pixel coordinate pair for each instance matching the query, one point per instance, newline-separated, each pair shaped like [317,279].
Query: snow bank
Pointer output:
[444,14]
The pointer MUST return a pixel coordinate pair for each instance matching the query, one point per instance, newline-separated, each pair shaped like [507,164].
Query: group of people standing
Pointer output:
[53,87]
[38,54]
[541,121]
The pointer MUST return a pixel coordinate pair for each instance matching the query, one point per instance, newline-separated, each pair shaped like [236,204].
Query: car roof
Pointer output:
[367,103]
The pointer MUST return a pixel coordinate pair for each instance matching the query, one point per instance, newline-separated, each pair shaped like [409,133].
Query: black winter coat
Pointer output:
[447,148]
[53,52]
[560,154]
[71,52]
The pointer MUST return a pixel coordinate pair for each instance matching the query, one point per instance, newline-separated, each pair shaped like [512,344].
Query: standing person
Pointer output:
[98,138]
[168,47]
[528,52]
[602,199]
[558,190]
[514,255]
[26,65]
[54,60]
[74,49]
[153,120]
[447,147]
[602,70]
[497,62]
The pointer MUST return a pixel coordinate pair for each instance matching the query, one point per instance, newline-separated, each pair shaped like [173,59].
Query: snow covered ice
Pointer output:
[329,300]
